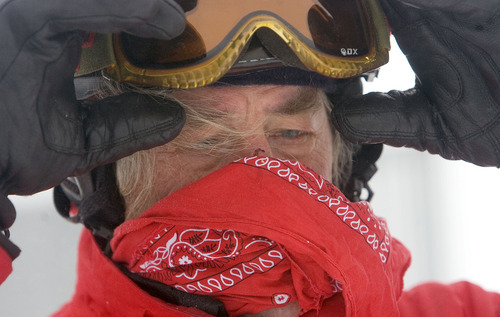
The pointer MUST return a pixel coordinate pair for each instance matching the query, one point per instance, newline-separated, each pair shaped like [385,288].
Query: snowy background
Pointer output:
[445,212]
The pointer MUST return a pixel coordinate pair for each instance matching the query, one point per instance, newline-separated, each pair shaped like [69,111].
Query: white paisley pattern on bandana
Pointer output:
[216,245]
[361,220]
[205,260]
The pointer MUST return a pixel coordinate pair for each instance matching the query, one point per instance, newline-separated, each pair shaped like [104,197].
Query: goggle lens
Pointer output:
[337,28]
[336,38]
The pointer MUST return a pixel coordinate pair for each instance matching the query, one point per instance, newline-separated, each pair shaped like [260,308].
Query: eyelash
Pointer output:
[277,138]
[286,134]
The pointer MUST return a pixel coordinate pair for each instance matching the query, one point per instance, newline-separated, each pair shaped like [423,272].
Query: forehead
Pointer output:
[265,98]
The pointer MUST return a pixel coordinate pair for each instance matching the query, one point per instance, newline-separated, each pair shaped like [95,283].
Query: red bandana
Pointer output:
[261,233]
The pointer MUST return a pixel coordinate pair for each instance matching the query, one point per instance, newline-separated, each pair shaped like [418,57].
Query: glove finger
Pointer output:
[385,118]
[119,126]
[7,213]
[407,119]
[400,14]
[442,52]
[131,122]
[153,18]
[149,18]
[476,8]
[168,22]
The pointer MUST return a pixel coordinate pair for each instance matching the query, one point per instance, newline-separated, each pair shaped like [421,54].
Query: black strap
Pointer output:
[100,205]
[363,169]
[9,247]
[174,296]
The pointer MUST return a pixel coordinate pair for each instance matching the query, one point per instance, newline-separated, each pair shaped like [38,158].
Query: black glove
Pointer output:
[46,135]
[454,110]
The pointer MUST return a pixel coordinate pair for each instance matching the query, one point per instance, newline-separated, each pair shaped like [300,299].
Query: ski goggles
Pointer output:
[335,38]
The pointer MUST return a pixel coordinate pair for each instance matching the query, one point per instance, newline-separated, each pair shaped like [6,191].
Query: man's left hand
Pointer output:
[454,110]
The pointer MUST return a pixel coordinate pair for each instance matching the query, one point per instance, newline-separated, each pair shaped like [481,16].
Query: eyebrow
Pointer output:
[307,100]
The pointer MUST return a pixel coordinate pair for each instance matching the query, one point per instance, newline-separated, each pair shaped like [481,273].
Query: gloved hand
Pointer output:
[45,134]
[454,110]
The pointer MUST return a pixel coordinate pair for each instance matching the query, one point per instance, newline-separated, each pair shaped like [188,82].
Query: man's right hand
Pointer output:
[45,133]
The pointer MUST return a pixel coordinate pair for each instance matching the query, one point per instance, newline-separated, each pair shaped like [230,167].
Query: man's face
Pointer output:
[277,121]
[286,122]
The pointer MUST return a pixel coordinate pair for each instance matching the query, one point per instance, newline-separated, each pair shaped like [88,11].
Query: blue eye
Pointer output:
[290,134]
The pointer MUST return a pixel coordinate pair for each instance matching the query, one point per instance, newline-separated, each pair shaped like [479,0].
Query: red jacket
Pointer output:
[102,290]
[322,233]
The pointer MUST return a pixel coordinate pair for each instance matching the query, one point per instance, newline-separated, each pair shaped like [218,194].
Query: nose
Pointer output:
[256,145]
[258,151]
